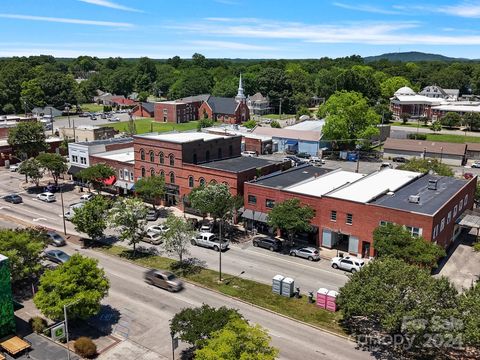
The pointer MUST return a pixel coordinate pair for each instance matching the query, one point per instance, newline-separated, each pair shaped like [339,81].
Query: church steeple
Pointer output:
[240,95]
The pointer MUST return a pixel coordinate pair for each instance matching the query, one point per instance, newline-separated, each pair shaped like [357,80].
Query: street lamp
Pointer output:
[67,107]
[66,324]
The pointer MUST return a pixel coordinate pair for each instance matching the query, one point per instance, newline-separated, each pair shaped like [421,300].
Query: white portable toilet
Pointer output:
[277,284]
[287,287]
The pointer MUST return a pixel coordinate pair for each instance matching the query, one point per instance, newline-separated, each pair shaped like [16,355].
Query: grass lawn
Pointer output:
[91,107]
[409,124]
[453,138]
[246,290]
[278,117]
[145,125]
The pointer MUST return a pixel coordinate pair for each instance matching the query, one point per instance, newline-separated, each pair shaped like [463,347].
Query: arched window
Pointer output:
[172,178]
[161,158]
[162,174]
[142,154]
[201,181]
[230,150]
[213,181]
[219,153]
[195,158]
[152,156]
[191,181]
[171,159]
[207,156]
[143,172]
[225,183]
[152,172]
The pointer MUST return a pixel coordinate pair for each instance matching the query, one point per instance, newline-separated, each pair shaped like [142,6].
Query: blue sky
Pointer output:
[238,28]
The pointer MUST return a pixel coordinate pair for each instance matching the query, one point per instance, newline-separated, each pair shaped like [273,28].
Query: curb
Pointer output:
[345,337]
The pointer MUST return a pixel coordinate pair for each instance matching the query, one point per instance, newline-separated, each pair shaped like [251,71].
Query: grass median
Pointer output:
[243,289]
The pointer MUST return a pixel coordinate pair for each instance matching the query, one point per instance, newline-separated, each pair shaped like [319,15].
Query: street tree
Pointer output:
[405,117]
[398,242]
[250,124]
[469,310]
[55,163]
[451,119]
[436,126]
[177,238]
[129,216]
[391,297]
[472,121]
[96,174]
[275,124]
[150,189]
[27,139]
[349,119]
[238,340]
[91,218]
[32,169]
[79,283]
[24,248]
[291,217]
[213,199]
[426,165]
[390,85]
[195,325]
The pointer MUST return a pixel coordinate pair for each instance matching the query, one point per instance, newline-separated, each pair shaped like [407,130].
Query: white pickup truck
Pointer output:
[209,240]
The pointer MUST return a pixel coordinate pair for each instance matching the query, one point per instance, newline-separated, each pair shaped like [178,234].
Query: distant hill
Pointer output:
[412,56]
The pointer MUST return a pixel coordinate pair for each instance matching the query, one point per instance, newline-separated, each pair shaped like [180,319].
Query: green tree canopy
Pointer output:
[27,138]
[472,120]
[79,281]
[24,248]
[390,85]
[96,174]
[91,218]
[177,238]
[348,118]
[398,242]
[425,165]
[55,163]
[451,119]
[250,124]
[195,325]
[436,126]
[213,199]
[150,189]
[291,217]
[238,341]
[32,169]
[470,314]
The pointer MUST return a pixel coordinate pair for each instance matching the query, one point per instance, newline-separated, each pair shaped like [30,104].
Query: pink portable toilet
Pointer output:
[322,298]
[332,300]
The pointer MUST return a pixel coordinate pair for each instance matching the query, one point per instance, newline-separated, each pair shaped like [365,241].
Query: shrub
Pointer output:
[38,324]
[85,347]
[275,124]
[476,246]
[417,136]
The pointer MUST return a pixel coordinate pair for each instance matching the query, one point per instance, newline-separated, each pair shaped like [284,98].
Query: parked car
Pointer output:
[152,215]
[385,165]
[163,279]
[294,160]
[315,160]
[57,256]
[52,188]
[476,164]
[71,211]
[114,119]
[14,167]
[159,229]
[348,263]
[13,198]
[153,238]
[46,196]
[87,197]
[55,239]
[209,240]
[309,253]
[206,228]
[399,159]
[93,117]
[304,155]
[249,153]
[269,243]
[84,114]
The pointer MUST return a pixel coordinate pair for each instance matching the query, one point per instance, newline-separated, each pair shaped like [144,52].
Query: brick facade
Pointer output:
[240,115]
[176,112]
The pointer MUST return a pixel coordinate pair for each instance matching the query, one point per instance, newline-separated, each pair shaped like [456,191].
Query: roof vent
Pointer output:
[390,193]
[414,199]
[432,184]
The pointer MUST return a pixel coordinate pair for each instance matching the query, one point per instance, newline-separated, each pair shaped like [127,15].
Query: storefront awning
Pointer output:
[125,185]
[255,215]
[110,181]
[291,143]
[74,170]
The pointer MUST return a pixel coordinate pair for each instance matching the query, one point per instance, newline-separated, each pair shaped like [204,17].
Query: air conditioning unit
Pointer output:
[415,199]
[432,184]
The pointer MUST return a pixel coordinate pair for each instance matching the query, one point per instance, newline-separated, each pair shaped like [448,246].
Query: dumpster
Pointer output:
[287,287]
[277,284]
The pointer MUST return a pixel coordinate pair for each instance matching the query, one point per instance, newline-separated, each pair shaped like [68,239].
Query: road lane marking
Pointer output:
[39,219]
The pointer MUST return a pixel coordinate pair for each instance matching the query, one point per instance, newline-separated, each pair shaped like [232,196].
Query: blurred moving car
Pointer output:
[13,198]
[163,279]
[56,256]
[46,196]
[55,239]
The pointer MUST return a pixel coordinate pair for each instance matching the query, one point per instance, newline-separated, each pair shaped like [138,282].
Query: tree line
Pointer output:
[26,82]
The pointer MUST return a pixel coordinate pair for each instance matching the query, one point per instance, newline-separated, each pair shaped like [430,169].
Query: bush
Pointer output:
[85,347]
[417,136]
[38,324]
[275,124]
[476,246]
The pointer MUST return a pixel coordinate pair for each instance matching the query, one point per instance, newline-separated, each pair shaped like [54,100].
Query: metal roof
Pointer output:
[222,105]
[322,185]
[286,133]
[181,137]
[419,146]
[238,164]
[290,177]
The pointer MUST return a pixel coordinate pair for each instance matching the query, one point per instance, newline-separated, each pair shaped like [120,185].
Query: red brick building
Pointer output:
[122,161]
[144,109]
[349,206]
[188,160]
[226,110]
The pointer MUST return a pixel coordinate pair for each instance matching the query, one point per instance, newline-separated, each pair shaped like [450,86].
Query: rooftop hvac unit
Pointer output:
[415,199]
[432,184]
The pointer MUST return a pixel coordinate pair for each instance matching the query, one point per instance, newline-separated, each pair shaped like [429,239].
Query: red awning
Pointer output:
[110,181]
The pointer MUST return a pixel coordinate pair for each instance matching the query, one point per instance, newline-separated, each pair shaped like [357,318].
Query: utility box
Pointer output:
[332,301]
[277,284]
[322,298]
[287,287]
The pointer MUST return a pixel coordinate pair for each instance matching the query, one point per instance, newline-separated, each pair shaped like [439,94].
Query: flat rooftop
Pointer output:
[291,177]
[126,155]
[324,184]
[430,200]
[238,164]
[106,142]
[372,186]
[182,137]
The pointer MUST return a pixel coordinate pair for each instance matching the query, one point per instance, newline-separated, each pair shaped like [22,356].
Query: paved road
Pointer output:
[412,129]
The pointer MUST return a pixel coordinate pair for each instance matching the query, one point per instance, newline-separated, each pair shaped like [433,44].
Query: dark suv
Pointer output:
[269,243]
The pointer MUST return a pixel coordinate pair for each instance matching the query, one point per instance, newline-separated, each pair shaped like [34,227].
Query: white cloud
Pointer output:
[214,45]
[66,20]
[366,8]
[110,4]
[468,9]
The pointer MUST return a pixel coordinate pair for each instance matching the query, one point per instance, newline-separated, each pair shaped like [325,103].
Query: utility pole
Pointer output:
[63,211]
[280,110]
[51,118]
[74,137]
[220,253]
